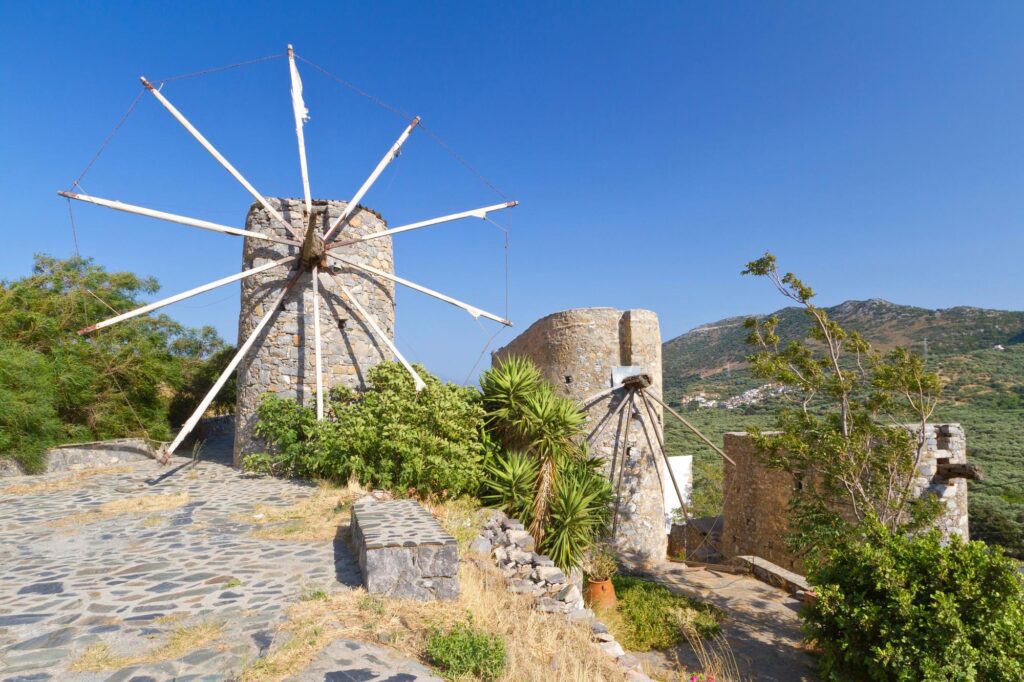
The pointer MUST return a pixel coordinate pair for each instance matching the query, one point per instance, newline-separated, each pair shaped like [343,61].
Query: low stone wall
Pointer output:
[81,456]
[403,551]
[755,518]
[504,541]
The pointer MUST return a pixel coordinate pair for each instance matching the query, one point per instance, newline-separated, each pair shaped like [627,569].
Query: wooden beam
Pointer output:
[217,155]
[316,341]
[475,213]
[368,319]
[388,158]
[174,218]
[222,379]
[690,426]
[472,310]
[187,294]
[300,112]
[661,446]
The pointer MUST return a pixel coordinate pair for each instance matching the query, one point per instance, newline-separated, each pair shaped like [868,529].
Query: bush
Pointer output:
[649,616]
[28,420]
[546,479]
[580,503]
[58,386]
[892,607]
[465,650]
[428,444]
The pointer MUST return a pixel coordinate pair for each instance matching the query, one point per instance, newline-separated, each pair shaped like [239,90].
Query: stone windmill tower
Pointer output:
[317,284]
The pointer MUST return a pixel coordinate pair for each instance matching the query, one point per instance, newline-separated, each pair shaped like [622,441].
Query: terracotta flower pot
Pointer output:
[600,593]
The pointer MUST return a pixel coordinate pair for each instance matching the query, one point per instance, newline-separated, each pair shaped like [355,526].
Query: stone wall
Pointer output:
[79,456]
[283,361]
[756,497]
[577,350]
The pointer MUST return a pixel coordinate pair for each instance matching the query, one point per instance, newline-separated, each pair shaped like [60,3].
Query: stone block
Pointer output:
[403,552]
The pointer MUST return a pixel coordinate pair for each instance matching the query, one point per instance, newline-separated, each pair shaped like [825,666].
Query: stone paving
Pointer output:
[130,580]
[762,625]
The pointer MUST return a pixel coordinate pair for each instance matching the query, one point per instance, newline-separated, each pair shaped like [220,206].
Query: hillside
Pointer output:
[983,390]
[712,351]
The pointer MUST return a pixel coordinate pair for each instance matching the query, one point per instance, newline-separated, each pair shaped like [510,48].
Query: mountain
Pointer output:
[710,350]
[979,353]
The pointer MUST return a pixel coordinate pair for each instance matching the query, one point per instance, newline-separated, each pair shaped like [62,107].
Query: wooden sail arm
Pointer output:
[232,365]
[219,157]
[174,218]
[472,310]
[299,110]
[388,158]
[187,294]
[474,213]
[372,323]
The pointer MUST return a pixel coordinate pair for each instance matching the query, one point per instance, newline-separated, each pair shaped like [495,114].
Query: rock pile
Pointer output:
[513,549]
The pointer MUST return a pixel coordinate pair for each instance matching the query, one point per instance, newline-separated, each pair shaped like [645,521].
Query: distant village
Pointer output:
[749,397]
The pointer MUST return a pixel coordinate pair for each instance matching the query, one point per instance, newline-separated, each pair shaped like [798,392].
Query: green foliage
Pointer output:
[467,651]
[580,505]
[893,607]
[510,482]
[198,378]
[428,444]
[523,412]
[112,383]
[838,438]
[580,511]
[545,479]
[28,420]
[650,617]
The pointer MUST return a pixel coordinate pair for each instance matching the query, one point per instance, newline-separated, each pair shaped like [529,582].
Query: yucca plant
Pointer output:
[510,482]
[551,425]
[580,511]
[506,388]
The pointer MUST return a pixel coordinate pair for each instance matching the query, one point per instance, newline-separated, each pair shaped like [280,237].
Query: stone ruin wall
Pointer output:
[576,351]
[283,359]
[756,497]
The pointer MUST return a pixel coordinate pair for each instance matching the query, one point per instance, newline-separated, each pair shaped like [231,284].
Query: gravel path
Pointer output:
[133,580]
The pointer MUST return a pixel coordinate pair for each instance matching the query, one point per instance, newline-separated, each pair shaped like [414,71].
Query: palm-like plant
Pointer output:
[506,388]
[550,425]
[510,484]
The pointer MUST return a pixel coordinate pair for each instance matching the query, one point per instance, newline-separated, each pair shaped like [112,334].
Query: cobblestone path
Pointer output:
[134,580]
[762,625]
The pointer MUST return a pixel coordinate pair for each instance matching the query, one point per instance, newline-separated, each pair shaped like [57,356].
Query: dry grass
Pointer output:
[539,646]
[315,518]
[181,641]
[75,480]
[141,504]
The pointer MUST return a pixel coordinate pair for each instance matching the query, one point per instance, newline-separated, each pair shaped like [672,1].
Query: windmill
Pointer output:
[313,255]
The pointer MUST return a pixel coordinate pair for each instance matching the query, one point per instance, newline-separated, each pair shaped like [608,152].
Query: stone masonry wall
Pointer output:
[756,498]
[283,361]
[576,351]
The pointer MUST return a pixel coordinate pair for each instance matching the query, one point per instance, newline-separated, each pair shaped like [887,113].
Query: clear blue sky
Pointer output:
[877,150]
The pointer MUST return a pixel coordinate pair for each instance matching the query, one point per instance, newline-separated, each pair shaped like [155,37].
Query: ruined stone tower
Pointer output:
[283,361]
[577,351]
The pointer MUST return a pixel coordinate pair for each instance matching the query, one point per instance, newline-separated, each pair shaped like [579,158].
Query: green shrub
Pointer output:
[465,650]
[580,511]
[28,418]
[580,503]
[892,607]
[429,444]
[650,617]
[509,484]
[58,386]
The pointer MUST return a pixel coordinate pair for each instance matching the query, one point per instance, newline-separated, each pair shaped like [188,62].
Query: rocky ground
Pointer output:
[143,593]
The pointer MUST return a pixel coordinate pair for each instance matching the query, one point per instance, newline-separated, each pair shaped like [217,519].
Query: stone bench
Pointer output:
[767,572]
[403,551]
